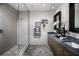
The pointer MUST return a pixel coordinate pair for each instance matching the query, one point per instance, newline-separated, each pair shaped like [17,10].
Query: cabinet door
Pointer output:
[55,47]
[62,51]
[50,43]
[67,52]
[58,49]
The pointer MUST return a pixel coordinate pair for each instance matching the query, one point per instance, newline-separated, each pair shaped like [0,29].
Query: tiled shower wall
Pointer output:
[8,24]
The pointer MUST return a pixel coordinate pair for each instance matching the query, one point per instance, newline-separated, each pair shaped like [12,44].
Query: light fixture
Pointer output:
[52,7]
[44,5]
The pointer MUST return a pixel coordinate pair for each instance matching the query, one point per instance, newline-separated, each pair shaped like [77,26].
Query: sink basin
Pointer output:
[72,44]
[66,39]
[61,38]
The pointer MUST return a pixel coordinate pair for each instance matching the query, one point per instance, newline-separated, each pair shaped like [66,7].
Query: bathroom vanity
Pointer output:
[62,48]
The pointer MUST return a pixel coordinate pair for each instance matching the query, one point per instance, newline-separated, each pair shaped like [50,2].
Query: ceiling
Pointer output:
[35,6]
[20,6]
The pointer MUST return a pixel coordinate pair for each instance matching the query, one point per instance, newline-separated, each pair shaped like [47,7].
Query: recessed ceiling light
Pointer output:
[52,7]
[44,5]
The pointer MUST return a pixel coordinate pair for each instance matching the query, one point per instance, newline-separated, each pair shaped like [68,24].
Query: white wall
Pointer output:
[8,23]
[64,8]
[23,28]
[36,16]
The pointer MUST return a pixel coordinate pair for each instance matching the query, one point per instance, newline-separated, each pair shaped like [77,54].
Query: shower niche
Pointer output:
[37,30]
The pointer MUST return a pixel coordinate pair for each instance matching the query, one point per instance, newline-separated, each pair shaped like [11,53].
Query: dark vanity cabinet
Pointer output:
[57,48]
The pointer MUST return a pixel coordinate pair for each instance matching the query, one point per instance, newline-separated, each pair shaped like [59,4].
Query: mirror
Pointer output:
[57,21]
[77,15]
[74,17]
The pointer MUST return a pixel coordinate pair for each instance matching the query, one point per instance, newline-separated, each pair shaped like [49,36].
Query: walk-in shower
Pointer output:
[14,29]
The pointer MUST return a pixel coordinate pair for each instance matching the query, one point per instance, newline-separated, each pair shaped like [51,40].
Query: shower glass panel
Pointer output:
[22,28]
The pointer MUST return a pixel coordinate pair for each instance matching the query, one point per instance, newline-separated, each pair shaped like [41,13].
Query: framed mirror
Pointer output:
[57,18]
[74,17]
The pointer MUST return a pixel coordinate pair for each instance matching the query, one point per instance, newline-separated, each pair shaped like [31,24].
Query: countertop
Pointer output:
[74,50]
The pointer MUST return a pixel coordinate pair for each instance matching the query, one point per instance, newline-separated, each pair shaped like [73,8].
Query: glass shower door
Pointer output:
[22,28]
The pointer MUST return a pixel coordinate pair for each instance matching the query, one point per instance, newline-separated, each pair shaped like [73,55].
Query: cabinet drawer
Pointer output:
[59,49]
